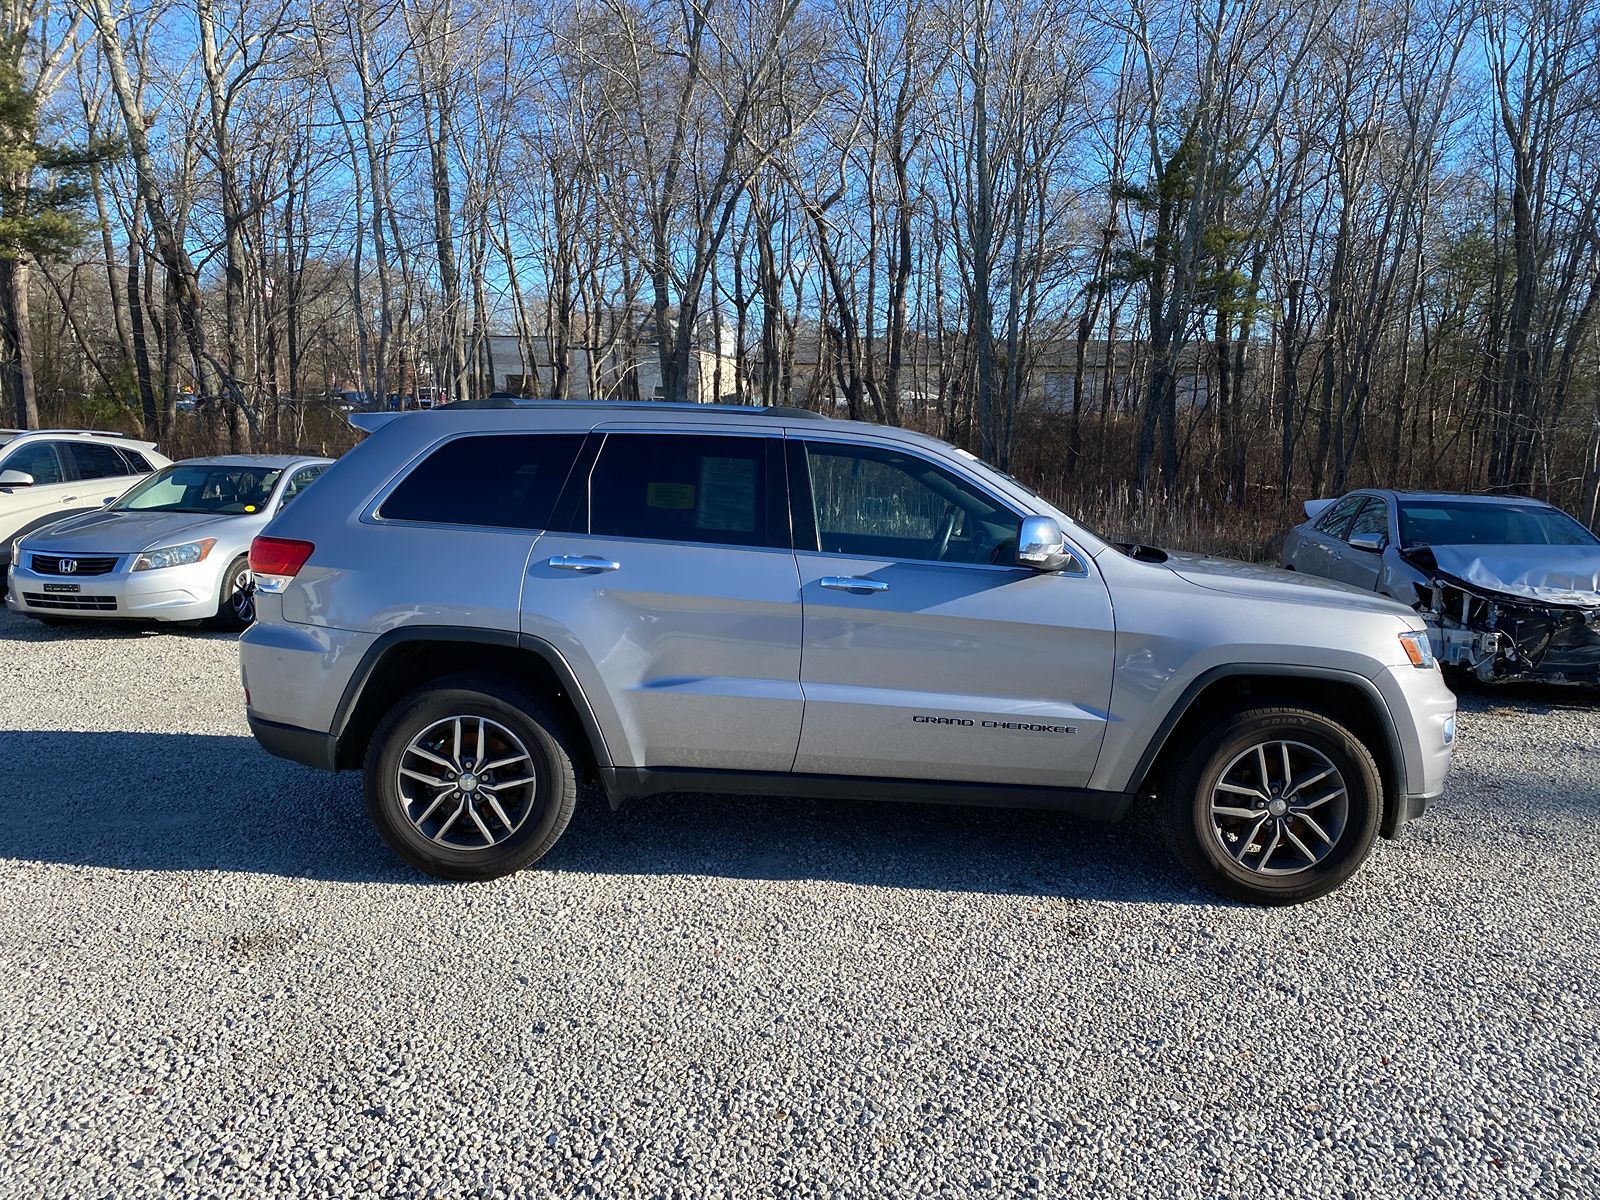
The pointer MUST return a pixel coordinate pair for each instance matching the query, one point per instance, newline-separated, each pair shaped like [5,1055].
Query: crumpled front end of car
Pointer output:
[1518,631]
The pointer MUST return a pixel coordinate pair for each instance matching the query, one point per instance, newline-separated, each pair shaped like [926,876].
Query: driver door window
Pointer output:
[876,502]
[38,459]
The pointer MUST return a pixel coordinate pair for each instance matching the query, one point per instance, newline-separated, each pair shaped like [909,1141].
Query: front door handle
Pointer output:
[68,499]
[582,562]
[853,583]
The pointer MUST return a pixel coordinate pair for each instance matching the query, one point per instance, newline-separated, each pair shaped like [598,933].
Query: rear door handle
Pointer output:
[582,562]
[853,583]
[68,499]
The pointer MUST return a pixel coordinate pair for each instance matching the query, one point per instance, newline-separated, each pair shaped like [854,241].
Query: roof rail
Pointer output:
[72,432]
[501,401]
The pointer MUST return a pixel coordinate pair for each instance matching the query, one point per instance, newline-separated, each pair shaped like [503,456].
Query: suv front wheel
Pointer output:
[1273,805]
[469,777]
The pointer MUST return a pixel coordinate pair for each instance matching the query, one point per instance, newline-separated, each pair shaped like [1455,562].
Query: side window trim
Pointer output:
[803,508]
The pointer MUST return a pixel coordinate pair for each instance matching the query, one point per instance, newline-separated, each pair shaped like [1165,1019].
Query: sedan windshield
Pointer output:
[202,488]
[1461,523]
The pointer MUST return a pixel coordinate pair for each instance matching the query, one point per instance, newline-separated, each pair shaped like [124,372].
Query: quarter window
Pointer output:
[137,463]
[38,459]
[505,480]
[95,461]
[687,488]
[876,502]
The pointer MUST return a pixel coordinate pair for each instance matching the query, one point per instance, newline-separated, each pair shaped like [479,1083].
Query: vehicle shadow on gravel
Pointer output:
[876,844]
[1525,697]
[211,802]
[182,802]
[14,628]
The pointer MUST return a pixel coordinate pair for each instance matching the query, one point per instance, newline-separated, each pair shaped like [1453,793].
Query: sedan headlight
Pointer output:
[1418,649]
[174,556]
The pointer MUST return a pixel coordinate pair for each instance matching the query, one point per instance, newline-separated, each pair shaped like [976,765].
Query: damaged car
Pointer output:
[1509,587]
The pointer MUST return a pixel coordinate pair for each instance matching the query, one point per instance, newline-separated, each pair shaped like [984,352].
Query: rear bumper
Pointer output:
[298,745]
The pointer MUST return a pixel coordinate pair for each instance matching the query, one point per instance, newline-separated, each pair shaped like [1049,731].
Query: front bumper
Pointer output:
[1423,712]
[188,593]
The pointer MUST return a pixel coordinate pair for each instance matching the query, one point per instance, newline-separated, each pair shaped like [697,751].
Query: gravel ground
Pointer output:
[215,981]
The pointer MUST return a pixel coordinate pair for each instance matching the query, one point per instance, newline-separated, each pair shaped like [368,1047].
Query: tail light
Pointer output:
[275,561]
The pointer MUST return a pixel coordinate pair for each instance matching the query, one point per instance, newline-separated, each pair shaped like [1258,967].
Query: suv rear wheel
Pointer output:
[470,777]
[1273,806]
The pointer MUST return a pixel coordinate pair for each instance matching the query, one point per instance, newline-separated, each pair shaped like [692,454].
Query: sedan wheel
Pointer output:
[236,607]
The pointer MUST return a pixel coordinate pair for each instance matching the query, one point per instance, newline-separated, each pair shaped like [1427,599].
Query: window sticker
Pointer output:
[727,494]
[669,495]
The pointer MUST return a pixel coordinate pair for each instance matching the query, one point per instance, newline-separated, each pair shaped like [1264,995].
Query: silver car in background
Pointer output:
[174,548]
[1509,587]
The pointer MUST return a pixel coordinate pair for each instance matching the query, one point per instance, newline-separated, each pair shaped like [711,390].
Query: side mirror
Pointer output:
[1041,544]
[1371,542]
[15,479]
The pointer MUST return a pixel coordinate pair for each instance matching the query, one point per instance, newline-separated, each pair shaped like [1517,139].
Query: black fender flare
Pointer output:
[1393,771]
[350,700]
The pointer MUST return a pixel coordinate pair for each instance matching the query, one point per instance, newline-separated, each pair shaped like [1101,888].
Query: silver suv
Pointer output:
[482,606]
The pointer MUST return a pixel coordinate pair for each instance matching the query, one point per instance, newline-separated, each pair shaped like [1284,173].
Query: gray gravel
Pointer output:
[215,981]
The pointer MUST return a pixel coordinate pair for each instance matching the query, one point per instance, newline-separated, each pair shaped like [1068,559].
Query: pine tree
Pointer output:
[43,185]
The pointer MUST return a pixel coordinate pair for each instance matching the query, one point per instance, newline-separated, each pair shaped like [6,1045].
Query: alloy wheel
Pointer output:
[467,782]
[242,596]
[1279,808]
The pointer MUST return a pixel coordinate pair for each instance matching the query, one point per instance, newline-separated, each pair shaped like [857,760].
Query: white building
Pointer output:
[620,375]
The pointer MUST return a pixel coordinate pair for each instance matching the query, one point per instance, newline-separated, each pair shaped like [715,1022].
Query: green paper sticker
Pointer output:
[669,495]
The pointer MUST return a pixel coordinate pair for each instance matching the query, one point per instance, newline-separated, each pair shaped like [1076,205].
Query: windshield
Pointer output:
[202,488]
[1461,523]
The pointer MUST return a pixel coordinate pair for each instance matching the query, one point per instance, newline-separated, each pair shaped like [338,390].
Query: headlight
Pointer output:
[1418,649]
[174,556]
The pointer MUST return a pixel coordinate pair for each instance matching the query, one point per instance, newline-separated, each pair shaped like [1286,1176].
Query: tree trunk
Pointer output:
[16,365]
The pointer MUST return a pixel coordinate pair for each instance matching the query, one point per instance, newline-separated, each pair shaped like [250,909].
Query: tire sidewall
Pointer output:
[551,764]
[1209,759]
[226,617]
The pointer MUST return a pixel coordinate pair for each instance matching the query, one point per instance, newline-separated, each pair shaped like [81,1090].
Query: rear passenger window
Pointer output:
[96,461]
[683,488]
[506,480]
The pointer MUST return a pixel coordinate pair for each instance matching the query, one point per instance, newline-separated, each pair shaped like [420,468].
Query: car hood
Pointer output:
[1549,574]
[1269,583]
[107,532]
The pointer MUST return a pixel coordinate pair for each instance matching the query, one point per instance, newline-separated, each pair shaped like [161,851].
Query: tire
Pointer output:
[515,723]
[1232,851]
[236,606]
